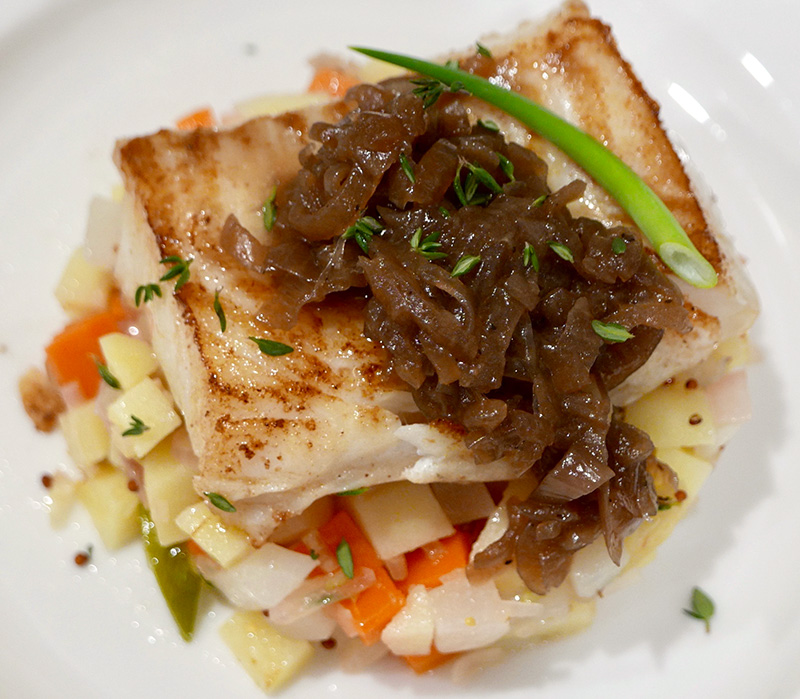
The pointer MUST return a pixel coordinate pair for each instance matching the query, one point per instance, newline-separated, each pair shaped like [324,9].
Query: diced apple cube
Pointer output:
[399,517]
[129,359]
[226,544]
[111,505]
[268,656]
[84,287]
[149,406]
[85,434]
[169,491]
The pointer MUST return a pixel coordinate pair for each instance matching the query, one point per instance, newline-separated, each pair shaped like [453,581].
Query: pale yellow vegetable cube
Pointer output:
[61,496]
[111,505]
[399,517]
[692,473]
[674,416]
[129,359]
[85,434]
[169,491]
[266,105]
[150,407]
[84,287]
[226,544]
[269,657]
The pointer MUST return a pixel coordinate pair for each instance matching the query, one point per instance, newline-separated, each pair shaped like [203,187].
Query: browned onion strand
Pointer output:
[506,352]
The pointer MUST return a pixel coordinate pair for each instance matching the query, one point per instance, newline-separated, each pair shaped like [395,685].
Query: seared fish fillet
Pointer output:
[273,434]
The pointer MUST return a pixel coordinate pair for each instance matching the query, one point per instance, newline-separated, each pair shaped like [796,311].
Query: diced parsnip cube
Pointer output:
[128,358]
[226,544]
[169,491]
[85,434]
[111,505]
[674,416]
[269,657]
[84,287]
[692,473]
[399,517]
[150,404]
[410,632]
[313,517]
[61,496]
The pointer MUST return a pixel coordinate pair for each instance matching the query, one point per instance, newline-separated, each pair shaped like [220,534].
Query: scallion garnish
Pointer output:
[220,311]
[345,557]
[561,250]
[489,125]
[407,168]
[268,211]
[464,265]
[105,374]
[529,257]
[271,347]
[642,204]
[137,427]
[145,293]
[611,332]
[220,502]
[179,269]
[619,245]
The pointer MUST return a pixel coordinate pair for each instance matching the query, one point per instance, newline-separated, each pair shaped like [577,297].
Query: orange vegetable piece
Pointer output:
[332,81]
[451,553]
[422,663]
[202,117]
[374,607]
[70,356]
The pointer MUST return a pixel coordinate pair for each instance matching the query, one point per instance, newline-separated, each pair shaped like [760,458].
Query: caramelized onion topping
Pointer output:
[507,350]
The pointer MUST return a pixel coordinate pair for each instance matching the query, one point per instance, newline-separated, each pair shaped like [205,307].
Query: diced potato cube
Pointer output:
[151,405]
[410,632]
[674,416]
[226,544]
[111,505]
[169,491]
[128,358]
[85,434]
[399,517]
[270,658]
[84,287]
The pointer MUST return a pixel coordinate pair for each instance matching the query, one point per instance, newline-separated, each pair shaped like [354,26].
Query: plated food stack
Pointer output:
[401,397]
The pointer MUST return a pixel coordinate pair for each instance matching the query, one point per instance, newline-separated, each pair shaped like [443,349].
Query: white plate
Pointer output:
[76,75]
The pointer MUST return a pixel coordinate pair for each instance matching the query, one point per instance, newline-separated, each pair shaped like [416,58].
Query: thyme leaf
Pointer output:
[105,374]
[220,502]
[268,211]
[345,558]
[611,332]
[464,265]
[702,608]
[561,250]
[271,347]
[407,168]
[137,427]
[179,269]
[145,293]
[220,311]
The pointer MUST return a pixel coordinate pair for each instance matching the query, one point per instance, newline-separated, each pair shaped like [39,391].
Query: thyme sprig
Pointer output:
[146,293]
[178,271]
[137,427]
[427,246]
[363,230]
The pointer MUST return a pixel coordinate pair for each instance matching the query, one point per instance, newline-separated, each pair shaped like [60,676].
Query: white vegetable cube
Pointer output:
[674,416]
[111,505]
[84,287]
[399,517]
[264,578]
[268,656]
[410,632]
[226,544]
[85,434]
[466,616]
[169,490]
[128,358]
[150,407]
